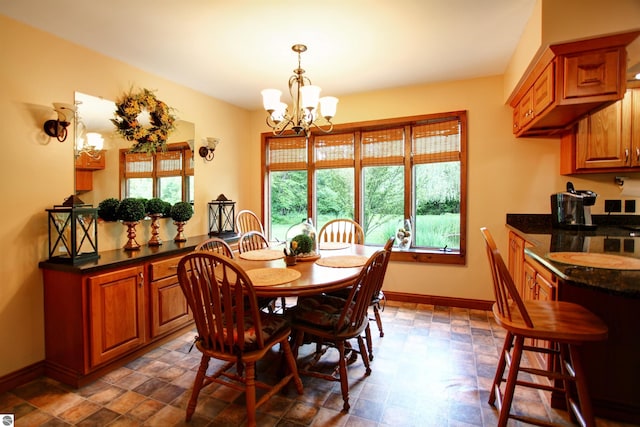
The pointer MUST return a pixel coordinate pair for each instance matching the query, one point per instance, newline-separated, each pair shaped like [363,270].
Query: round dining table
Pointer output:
[309,276]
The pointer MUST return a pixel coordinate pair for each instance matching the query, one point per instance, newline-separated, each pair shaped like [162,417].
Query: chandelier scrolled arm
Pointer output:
[309,110]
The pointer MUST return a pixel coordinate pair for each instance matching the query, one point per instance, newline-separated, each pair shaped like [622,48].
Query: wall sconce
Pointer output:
[206,151]
[58,128]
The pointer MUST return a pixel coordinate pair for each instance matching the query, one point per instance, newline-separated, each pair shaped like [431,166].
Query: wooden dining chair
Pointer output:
[559,328]
[342,230]
[331,321]
[247,220]
[217,245]
[252,241]
[233,329]
[377,301]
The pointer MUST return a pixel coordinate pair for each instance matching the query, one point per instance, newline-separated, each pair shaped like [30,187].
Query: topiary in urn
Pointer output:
[181,212]
[130,211]
[155,209]
[108,209]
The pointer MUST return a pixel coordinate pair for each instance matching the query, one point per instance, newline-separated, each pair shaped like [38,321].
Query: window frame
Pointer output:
[186,171]
[425,255]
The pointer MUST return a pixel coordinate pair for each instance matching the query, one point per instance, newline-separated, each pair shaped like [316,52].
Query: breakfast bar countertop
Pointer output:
[610,238]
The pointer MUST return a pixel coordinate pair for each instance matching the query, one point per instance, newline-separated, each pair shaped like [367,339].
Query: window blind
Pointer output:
[383,147]
[436,141]
[169,163]
[138,165]
[287,153]
[334,150]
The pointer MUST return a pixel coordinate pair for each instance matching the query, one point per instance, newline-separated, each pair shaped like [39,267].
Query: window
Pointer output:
[378,173]
[167,175]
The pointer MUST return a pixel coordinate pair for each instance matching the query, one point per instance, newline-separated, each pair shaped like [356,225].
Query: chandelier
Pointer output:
[306,100]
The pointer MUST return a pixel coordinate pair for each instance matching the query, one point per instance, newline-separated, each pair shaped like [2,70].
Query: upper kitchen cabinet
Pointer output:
[605,140]
[567,81]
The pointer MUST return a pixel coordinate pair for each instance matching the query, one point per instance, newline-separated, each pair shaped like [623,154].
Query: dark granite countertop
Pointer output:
[611,236]
[118,258]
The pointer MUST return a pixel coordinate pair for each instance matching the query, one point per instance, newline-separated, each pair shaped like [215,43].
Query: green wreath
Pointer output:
[147,139]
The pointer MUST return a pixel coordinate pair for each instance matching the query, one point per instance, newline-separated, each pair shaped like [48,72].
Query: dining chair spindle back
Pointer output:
[232,328]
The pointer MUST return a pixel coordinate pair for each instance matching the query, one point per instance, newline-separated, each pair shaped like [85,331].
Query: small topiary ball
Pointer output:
[108,209]
[155,206]
[181,212]
[131,210]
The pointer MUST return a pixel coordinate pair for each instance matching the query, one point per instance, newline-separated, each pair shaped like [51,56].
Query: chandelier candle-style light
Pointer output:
[306,100]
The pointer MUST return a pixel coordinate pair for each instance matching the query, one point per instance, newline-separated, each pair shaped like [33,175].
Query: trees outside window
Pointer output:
[379,174]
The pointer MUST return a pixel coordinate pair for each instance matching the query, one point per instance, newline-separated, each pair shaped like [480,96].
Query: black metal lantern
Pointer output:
[222,217]
[73,234]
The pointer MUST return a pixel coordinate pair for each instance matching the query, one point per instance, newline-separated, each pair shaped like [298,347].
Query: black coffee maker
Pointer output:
[572,209]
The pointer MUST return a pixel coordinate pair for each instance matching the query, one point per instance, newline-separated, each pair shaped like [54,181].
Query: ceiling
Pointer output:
[231,50]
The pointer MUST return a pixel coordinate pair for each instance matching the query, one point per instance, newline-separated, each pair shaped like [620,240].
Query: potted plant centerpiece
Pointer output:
[130,211]
[181,212]
[155,210]
[301,246]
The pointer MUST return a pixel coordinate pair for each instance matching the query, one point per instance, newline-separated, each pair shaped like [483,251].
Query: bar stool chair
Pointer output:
[564,325]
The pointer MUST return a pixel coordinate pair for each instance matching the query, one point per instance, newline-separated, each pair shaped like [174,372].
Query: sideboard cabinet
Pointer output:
[100,315]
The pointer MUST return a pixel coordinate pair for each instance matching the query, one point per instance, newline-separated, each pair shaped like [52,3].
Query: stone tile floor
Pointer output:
[433,367]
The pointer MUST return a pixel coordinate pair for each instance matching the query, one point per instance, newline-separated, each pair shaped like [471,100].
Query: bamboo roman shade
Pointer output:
[138,165]
[383,147]
[334,150]
[288,153]
[436,141]
[169,163]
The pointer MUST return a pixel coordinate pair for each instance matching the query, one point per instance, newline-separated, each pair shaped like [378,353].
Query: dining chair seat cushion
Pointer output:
[344,293]
[272,325]
[322,310]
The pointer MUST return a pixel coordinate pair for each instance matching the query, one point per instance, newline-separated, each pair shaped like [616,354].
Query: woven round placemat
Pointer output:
[330,246]
[591,259]
[343,261]
[262,255]
[272,276]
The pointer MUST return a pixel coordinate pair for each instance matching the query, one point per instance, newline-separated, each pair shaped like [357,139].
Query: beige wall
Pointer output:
[505,174]
[556,21]
[37,172]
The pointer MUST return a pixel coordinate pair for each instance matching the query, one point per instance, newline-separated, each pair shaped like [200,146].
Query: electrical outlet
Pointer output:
[613,206]
[630,206]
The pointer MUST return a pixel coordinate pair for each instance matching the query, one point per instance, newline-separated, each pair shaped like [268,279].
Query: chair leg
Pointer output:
[250,393]
[502,364]
[376,313]
[363,353]
[367,334]
[197,386]
[344,381]
[581,386]
[512,378]
[291,362]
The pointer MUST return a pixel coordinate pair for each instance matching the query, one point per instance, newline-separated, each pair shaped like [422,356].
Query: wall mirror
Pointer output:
[97,148]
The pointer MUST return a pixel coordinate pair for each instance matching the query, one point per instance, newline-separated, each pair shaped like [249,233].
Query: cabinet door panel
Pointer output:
[169,308]
[634,123]
[117,321]
[592,74]
[600,142]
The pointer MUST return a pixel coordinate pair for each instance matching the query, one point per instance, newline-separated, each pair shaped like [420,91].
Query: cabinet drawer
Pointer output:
[164,268]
